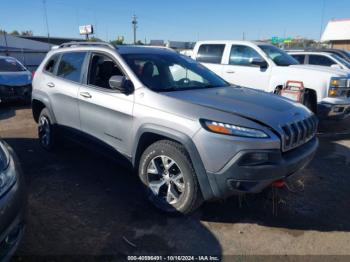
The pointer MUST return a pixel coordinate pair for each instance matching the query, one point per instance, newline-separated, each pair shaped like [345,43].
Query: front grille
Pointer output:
[297,133]
[344,91]
[14,91]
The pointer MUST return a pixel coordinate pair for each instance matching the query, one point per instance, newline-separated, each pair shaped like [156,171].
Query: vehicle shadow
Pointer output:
[334,127]
[82,203]
[6,111]
[316,199]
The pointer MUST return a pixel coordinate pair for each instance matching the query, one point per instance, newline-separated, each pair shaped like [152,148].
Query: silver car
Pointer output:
[189,135]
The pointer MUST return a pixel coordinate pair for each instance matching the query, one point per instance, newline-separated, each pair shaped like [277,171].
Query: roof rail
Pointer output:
[74,43]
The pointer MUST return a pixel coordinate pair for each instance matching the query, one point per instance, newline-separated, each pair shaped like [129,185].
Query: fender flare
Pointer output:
[43,98]
[186,141]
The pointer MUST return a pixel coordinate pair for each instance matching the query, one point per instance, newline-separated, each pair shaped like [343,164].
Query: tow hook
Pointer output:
[278,183]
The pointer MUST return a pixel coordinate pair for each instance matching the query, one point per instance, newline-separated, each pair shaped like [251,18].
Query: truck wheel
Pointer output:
[46,131]
[170,180]
[310,101]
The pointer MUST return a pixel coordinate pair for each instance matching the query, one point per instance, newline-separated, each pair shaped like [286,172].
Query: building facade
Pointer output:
[337,34]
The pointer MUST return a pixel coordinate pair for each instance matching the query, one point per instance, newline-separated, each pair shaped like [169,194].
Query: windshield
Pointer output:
[9,64]
[171,72]
[278,56]
[341,60]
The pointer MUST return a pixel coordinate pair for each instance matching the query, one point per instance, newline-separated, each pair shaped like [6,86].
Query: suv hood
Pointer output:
[270,109]
[325,69]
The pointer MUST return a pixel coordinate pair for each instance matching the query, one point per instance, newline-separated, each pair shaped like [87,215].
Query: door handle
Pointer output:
[230,71]
[85,94]
[50,84]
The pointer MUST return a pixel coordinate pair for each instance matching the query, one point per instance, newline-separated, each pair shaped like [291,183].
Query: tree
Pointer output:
[2,31]
[94,39]
[27,33]
[15,33]
[139,42]
[118,41]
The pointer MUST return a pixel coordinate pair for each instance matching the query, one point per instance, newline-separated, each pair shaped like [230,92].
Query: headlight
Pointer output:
[337,86]
[7,178]
[233,130]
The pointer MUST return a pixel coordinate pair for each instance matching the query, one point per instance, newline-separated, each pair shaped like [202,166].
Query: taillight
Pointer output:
[33,74]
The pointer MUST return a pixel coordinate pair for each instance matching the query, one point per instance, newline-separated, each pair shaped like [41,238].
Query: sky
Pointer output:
[182,20]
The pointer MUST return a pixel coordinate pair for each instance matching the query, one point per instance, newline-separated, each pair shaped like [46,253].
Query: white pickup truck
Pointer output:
[268,68]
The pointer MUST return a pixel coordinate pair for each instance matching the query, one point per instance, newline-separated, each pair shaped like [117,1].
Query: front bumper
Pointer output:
[333,111]
[12,205]
[235,178]
[12,93]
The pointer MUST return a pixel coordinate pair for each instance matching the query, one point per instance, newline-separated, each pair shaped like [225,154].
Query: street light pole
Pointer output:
[134,25]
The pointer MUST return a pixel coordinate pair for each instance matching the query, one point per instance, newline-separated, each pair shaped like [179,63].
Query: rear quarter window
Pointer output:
[51,64]
[210,53]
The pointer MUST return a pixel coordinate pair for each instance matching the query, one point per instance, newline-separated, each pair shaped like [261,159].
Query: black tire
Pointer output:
[189,195]
[278,90]
[46,131]
[310,101]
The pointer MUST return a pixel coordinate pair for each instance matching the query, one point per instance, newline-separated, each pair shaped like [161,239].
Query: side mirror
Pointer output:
[336,66]
[258,62]
[122,84]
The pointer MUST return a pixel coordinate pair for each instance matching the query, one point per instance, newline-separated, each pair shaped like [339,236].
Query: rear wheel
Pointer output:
[46,131]
[171,182]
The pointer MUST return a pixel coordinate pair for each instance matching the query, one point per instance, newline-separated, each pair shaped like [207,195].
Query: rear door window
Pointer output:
[210,53]
[70,66]
[320,60]
[299,58]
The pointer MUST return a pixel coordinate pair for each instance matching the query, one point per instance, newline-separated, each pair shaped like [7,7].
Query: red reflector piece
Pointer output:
[278,183]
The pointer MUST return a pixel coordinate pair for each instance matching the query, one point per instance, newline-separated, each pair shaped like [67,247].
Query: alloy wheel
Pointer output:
[165,179]
[44,130]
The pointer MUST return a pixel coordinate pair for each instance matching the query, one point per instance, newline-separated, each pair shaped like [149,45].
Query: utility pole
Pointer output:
[7,47]
[46,21]
[134,25]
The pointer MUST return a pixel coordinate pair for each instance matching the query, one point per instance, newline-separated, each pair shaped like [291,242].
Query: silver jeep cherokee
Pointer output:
[190,135]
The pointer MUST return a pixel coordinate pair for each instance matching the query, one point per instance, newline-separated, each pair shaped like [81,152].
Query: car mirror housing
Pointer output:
[121,84]
[336,66]
[258,62]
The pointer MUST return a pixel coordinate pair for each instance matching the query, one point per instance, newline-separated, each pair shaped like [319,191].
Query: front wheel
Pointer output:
[310,101]
[170,180]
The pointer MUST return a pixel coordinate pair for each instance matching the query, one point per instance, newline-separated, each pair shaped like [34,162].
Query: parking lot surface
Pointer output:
[83,203]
